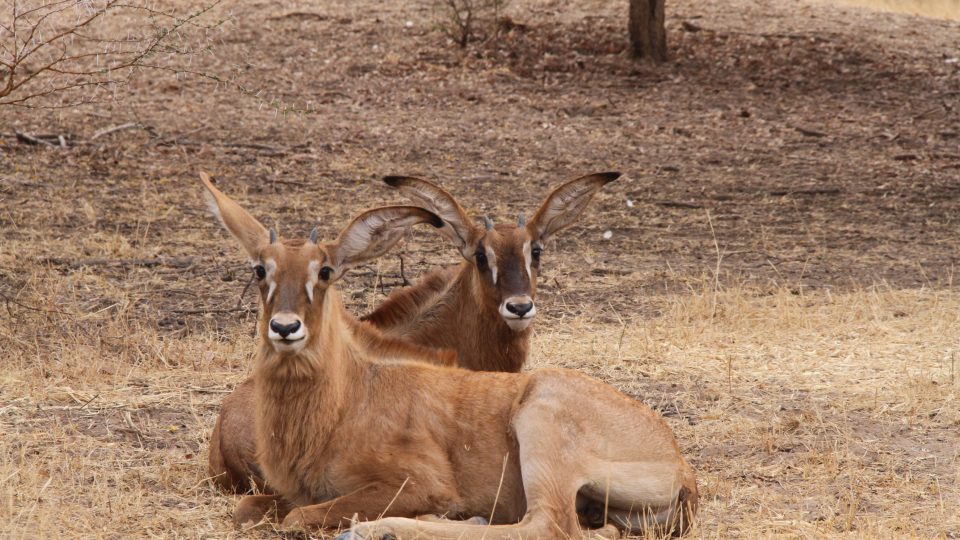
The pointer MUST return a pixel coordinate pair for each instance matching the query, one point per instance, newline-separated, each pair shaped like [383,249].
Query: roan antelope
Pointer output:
[343,434]
[232,461]
[483,308]
[480,310]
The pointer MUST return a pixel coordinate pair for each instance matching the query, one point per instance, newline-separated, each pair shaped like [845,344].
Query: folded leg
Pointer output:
[371,502]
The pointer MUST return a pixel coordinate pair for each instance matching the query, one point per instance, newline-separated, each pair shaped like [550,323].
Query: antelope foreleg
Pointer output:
[254,508]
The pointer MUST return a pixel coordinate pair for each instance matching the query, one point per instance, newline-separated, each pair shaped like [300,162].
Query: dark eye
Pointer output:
[481,259]
[535,253]
[260,271]
[325,273]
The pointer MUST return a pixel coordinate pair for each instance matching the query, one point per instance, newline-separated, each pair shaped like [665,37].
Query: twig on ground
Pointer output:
[26,138]
[805,191]
[678,204]
[403,277]
[174,139]
[253,146]
[203,311]
[114,129]
[9,300]
[809,132]
[183,262]
[301,15]
[244,292]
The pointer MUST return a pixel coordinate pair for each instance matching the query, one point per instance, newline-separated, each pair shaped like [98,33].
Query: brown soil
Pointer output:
[822,145]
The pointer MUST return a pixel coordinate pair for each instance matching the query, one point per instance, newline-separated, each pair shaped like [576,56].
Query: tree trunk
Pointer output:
[648,36]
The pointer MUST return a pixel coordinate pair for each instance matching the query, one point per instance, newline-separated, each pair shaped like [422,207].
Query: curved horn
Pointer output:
[488,222]
[521,221]
[273,236]
[314,234]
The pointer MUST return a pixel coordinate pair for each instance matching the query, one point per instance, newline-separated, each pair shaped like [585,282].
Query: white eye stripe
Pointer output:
[313,271]
[273,287]
[271,266]
[528,257]
[492,262]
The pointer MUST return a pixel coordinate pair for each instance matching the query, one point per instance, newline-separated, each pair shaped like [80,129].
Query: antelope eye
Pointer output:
[325,273]
[260,271]
[481,259]
[535,252]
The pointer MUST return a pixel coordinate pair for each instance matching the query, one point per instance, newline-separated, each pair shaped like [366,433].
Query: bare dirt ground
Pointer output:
[780,286]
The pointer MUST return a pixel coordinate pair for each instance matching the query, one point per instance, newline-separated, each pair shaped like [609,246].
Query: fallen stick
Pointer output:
[301,15]
[26,138]
[114,129]
[805,191]
[174,262]
[252,146]
[203,311]
[678,204]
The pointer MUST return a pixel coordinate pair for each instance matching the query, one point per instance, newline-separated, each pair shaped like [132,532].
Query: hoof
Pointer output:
[477,520]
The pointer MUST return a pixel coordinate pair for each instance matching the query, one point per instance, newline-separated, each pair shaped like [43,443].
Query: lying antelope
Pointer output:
[342,434]
[481,310]
[232,461]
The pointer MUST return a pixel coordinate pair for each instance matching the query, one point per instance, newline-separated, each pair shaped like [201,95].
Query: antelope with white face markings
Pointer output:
[232,459]
[483,308]
[344,434]
[479,312]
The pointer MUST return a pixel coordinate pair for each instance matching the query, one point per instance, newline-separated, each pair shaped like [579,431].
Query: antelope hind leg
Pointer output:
[532,527]
[475,520]
[369,502]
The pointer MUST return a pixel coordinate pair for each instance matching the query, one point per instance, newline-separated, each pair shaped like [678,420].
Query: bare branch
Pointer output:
[40,45]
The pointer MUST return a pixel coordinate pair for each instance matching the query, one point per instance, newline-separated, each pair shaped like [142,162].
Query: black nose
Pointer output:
[519,309]
[284,329]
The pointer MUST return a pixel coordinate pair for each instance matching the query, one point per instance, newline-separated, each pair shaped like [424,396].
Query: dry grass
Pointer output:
[805,415]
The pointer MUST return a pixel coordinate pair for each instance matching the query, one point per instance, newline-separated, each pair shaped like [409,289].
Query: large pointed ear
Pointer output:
[457,224]
[371,234]
[252,235]
[565,204]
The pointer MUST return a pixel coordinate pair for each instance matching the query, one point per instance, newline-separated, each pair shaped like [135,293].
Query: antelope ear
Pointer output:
[245,228]
[458,226]
[371,234]
[564,204]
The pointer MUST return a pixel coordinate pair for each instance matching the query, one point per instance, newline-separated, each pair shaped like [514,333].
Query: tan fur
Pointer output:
[454,310]
[450,309]
[460,308]
[232,461]
[342,433]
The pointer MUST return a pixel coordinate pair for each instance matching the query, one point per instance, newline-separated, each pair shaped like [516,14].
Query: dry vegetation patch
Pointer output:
[804,414]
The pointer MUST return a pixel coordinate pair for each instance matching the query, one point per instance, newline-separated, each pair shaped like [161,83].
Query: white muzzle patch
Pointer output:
[514,321]
[293,341]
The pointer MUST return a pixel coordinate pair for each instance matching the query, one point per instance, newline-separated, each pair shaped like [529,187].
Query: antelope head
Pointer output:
[294,275]
[506,257]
